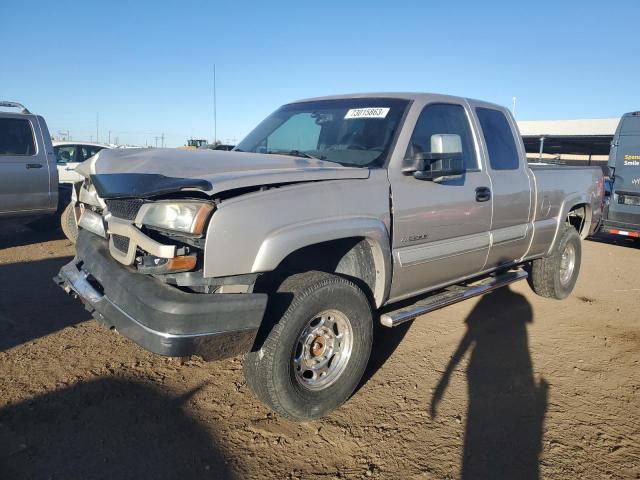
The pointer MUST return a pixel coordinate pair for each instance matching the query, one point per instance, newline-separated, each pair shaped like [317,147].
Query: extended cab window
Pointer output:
[438,119]
[498,136]
[16,137]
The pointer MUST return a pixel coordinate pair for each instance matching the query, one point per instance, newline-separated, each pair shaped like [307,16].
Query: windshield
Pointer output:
[354,132]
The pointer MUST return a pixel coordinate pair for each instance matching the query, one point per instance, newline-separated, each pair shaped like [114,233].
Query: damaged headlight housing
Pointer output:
[185,217]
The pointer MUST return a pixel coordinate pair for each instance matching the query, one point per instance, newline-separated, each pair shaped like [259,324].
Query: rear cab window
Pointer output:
[498,137]
[16,137]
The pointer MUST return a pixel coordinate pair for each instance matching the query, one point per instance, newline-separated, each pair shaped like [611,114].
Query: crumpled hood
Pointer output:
[213,171]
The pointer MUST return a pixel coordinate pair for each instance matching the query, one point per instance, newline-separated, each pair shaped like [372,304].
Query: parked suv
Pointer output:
[28,173]
[332,214]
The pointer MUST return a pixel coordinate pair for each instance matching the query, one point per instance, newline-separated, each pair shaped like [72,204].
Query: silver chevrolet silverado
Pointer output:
[329,213]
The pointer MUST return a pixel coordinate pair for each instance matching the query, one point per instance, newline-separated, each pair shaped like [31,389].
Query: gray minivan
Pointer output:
[623,214]
[28,173]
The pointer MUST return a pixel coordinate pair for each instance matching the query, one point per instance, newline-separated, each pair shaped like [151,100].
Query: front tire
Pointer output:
[556,275]
[315,355]
[68,223]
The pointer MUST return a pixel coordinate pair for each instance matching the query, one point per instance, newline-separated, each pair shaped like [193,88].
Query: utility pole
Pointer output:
[97,127]
[156,141]
[162,137]
[215,116]
[109,136]
[513,109]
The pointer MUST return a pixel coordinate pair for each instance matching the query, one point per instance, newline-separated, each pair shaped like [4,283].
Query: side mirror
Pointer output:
[443,162]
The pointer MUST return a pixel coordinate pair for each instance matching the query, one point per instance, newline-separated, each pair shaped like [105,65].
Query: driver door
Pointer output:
[440,229]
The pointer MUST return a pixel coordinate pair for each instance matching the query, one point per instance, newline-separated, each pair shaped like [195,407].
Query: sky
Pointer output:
[141,69]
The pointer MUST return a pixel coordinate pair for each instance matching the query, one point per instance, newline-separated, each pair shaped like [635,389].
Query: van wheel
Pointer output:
[315,355]
[556,275]
[68,223]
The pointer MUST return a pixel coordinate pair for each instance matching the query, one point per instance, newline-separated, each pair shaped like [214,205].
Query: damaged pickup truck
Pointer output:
[329,213]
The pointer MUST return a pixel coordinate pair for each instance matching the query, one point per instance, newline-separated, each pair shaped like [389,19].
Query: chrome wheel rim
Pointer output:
[567,264]
[322,350]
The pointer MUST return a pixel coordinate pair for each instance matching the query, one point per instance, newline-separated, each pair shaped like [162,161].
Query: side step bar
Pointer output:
[450,296]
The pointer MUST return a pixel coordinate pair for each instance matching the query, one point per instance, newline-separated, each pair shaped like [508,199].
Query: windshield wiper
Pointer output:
[294,153]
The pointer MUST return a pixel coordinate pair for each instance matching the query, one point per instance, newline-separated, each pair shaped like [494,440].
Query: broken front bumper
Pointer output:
[157,316]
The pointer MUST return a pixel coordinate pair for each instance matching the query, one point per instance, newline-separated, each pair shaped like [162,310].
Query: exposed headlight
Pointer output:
[186,217]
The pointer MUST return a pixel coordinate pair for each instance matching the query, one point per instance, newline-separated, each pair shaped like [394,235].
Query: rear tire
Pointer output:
[68,223]
[315,355]
[556,275]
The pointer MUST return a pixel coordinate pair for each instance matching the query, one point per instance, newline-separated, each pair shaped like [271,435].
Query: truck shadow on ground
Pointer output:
[17,234]
[31,305]
[506,409]
[107,428]
[618,240]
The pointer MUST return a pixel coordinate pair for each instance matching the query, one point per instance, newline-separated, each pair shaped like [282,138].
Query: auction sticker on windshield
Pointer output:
[372,112]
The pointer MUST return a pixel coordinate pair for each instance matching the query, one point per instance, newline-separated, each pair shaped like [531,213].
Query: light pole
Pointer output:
[215,119]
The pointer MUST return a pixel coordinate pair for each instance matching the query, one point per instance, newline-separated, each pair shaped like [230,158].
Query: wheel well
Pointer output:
[350,257]
[579,217]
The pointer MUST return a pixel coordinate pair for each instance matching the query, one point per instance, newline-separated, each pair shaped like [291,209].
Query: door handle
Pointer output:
[34,165]
[483,194]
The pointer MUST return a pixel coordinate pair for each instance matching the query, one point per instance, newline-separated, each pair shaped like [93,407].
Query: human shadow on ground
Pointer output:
[505,417]
[109,429]
[31,305]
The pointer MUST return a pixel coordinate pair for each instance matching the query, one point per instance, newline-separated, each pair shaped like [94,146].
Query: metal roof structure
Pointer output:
[574,137]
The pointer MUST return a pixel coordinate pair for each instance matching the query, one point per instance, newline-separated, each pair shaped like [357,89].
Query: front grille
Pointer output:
[120,242]
[124,208]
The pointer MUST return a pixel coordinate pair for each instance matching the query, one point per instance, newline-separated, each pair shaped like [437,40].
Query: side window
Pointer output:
[65,154]
[16,137]
[443,118]
[300,132]
[498,136]
[89,151]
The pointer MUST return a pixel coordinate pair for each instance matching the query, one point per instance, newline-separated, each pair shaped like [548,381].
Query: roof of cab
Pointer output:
[421,96]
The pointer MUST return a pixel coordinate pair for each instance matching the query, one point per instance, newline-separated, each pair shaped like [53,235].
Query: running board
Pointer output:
[450,296]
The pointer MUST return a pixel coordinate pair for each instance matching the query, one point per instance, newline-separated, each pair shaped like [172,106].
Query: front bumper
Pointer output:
[156,316]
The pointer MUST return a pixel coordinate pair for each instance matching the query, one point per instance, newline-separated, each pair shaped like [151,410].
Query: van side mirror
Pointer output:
[443,162]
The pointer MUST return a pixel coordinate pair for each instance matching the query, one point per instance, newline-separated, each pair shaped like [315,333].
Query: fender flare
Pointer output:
[282,242]
[568,203]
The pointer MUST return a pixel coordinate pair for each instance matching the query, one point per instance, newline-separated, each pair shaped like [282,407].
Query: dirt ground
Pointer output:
[506,386]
